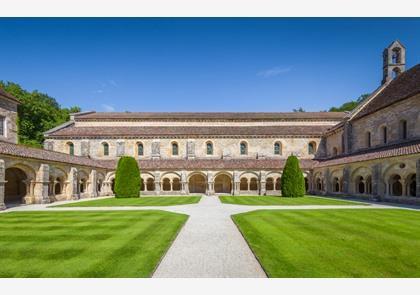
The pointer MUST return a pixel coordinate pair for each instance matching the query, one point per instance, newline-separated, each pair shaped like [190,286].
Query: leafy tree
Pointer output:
[292,180]
[127,178]
[37,113]
[299,110]
[350,105]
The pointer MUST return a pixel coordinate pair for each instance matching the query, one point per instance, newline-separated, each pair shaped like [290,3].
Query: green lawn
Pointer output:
[143,201]
[334,243]
[277,200]
[84,244]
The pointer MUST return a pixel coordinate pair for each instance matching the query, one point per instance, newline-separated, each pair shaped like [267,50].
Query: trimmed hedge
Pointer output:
[292,180]
[127,178]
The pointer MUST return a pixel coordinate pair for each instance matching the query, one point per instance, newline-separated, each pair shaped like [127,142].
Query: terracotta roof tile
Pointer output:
[211,116]
[401,149]
[187,130]
[404,86]
[40,154]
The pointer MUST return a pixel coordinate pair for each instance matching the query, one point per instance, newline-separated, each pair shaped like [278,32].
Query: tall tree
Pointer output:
[37,113]
[292,180]
[350,105]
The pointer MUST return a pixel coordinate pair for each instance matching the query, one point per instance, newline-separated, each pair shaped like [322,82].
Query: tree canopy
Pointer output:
[292,180]
[350,105]
[37,113]
[127,178]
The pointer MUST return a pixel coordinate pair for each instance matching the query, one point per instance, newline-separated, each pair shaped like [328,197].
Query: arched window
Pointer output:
[395,185]
[335,151]
[140,149]
[396,55]
[403,129]
[253,184]
[209,148]
[384,134]
[277,148]
[368,140]
[243,185]
[312,148]
[411,183]
[244,148]
[105,147]
[360,185]
[269,184]
[166,184]
[70,147]
[278,184]
[175,149]
[176,184]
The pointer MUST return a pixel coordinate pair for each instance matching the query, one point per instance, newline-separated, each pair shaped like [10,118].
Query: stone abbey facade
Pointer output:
[372,152]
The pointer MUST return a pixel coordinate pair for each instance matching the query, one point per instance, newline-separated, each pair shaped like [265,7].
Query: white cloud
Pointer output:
[274,72]
[107,108]
[98,91]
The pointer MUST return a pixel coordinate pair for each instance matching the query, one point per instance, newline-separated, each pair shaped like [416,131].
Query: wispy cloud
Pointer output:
[113,83]
[104,86]
[273,72]
[98,91]
[107,108]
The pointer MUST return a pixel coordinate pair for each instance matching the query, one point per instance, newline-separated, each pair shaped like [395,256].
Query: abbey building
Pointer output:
[372,152]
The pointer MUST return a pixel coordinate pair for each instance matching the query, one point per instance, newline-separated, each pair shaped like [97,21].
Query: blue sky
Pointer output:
[201,64]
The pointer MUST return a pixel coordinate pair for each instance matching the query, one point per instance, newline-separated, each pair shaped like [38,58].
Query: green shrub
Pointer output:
[127,178]
[292,180]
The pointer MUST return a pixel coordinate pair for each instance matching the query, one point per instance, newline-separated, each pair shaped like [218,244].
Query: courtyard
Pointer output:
[206,237]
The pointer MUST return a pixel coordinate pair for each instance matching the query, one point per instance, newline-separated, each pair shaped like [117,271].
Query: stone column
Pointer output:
[41,185]
[157,183]
[210,184]
[73,185]
[418,178]
[184,183]
[327,176]
[262,183]
[377,189]
[346,179]
[236,183]
[91,186]
[2,184]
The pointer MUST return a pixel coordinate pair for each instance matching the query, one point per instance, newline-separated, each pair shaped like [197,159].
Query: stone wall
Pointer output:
[8,110]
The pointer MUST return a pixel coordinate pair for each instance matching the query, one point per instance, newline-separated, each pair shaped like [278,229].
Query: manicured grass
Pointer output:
[85,244]
[334,243]
[277,200]
[143,201]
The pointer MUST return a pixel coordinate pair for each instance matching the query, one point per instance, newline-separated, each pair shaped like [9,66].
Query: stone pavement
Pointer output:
[209,245]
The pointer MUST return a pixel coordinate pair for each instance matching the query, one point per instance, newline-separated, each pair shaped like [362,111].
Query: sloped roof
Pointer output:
[395,150]
[211,116]
[120,131]
[404,86]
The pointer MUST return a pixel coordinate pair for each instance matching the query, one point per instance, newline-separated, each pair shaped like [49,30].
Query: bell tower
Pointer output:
[394,61]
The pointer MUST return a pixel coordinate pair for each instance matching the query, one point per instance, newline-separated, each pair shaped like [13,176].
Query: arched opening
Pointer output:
[150,184]
[306,184]
[82,185]
[336,185]
[278,184]
[253,184]
[58,186]
[384,132]
[141,184]
[312,148]
[411,185]
[222,184]
[243,185]
[105,147]
[176,184]
[395,73]
[319,184]
[15,187]
[368,185]
[360,185]
[395,185]
[209,148]
[368,140]
[113,185]
[277,148]
[335,151]
[269,184]
[243,148]
[403,129]
[140,149]
[175,150]
[99,185]
[70,148]
[396,55]
[197,184]
[166,184]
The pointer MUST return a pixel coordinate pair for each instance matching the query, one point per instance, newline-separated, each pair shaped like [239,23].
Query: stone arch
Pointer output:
[395,185]
[100,178]
[166,184]
[269,184]
[411,185]
[176,184]
[253,184]
[223,183]
[277,186]
[82,177]
[197,183]
[243,184]
[17,185]
[150,184]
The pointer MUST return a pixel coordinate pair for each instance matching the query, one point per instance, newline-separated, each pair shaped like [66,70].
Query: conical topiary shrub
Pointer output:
[127,178]
[292,180]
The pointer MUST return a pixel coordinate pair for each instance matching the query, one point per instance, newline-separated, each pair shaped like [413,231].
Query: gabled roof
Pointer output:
[8,96]
[404,86]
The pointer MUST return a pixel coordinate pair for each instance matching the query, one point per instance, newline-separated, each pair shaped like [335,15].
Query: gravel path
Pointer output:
[209,245]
